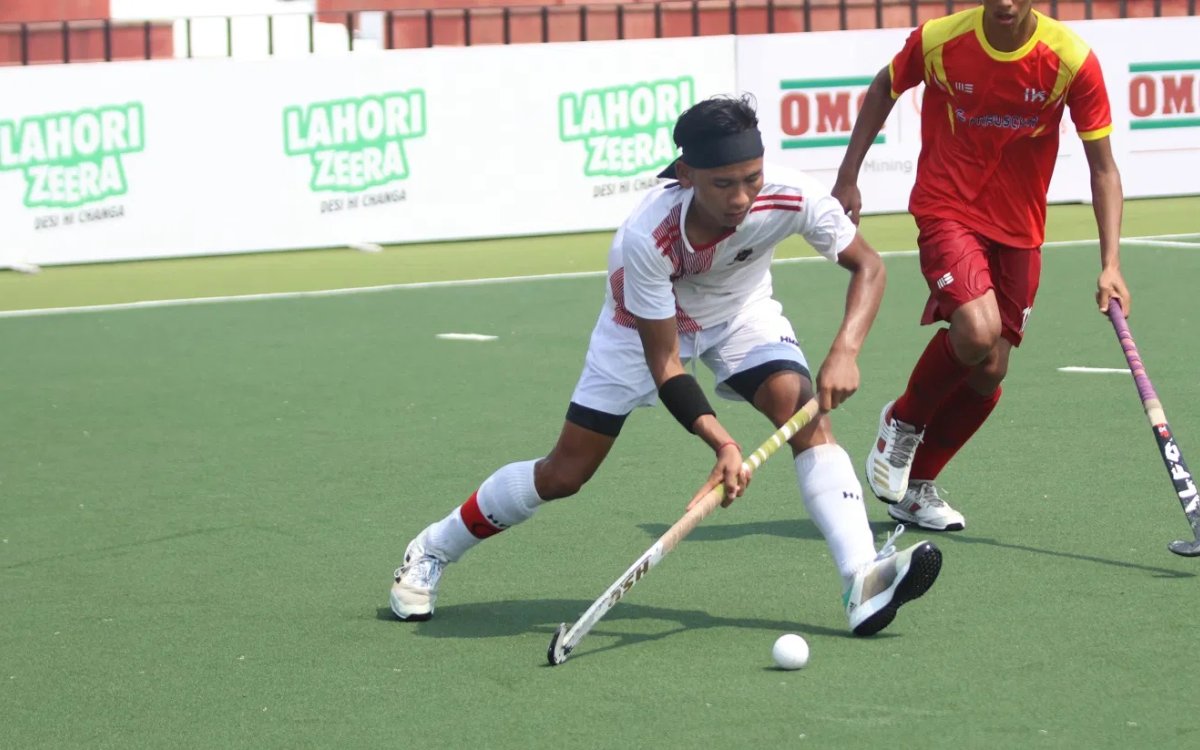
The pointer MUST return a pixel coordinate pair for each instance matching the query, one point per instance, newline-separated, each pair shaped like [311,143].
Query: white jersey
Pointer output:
[654,273]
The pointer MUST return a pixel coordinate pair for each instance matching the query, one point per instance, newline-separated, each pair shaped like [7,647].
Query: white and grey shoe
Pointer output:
[414,593]
[890,580]
[923,506]
[891,456]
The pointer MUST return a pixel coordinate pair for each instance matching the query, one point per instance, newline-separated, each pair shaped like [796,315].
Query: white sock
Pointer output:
[508,497]
[448,539]
[505,499]
[833,496]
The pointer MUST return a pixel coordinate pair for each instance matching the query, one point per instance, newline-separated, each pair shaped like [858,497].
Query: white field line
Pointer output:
[1093,370]
[1162,243]
[466,337]
[144,304]
[290,295]
[1185,236]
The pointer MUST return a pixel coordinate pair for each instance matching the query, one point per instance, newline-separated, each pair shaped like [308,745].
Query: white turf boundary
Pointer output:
[1176,241]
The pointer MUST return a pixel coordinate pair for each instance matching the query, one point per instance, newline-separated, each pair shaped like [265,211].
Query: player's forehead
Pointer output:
[742,170]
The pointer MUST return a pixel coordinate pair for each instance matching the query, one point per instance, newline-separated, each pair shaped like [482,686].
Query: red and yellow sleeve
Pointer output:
[1088,100]
[907,68]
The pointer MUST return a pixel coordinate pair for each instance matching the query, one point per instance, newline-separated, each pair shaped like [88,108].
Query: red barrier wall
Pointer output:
[418,23]
[53,10]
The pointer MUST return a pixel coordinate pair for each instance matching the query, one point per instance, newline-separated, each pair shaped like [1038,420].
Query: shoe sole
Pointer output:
[875,492]
[923,569]
[901,515]
[413,617]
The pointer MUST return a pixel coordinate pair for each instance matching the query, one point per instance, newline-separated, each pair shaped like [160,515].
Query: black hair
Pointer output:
[715,117]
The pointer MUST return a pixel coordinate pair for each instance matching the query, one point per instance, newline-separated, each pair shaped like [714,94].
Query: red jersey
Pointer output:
[990,120]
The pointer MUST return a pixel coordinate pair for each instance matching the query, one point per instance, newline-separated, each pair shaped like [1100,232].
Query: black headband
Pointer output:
[719,152]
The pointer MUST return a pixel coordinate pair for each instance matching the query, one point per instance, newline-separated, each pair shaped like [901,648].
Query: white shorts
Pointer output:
[616,379]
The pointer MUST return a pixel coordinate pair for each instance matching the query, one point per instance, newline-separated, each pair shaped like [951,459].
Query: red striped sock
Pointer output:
[936,374]
[476,522]
[956,420]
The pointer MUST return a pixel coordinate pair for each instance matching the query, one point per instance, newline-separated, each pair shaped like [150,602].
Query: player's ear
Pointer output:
[685,174]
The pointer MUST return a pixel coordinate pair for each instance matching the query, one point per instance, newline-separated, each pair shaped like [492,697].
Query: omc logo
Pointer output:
[1164,95]
[820,112]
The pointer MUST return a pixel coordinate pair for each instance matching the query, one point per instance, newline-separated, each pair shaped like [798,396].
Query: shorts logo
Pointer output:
[945,281]
[1025,318]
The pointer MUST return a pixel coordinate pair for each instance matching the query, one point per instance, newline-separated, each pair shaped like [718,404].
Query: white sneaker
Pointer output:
[923,506]
[891,457]
[415,591]
[893,578]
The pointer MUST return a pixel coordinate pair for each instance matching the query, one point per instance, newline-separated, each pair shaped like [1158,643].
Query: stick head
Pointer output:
[559,650]
[1185,548]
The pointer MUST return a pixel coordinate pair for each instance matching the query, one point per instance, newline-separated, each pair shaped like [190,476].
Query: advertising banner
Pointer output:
[138,160]
[810,88]
[113,161]
[1152,68]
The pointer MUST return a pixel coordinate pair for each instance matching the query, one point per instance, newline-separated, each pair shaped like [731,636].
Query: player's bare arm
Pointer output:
[838,377]
[1108,204]
[660,342]
[875,110]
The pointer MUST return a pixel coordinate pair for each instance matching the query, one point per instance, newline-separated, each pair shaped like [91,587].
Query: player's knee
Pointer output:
[780,394]
[994,372]
[987,375]
[555,480]
[779,412]
[976,340]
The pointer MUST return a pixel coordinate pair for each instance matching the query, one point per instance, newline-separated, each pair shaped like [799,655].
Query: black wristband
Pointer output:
[685,400]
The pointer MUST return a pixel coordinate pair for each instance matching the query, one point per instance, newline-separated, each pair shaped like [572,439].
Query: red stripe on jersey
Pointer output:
[668,238]
[622,317]
[666,234]
[478,524]
[775,207]
[780,197]
[684,322]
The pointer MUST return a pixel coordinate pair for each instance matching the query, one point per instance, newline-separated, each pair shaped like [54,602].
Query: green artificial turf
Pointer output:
[201,507]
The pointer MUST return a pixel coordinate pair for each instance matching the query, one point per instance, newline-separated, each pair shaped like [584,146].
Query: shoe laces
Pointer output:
[927,495]
[904,444]
[423,572]
[889,547]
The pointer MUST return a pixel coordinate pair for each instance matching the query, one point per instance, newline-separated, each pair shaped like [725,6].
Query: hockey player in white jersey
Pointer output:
[689,277]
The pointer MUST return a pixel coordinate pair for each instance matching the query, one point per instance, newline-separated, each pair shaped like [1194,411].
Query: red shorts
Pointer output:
[960,265]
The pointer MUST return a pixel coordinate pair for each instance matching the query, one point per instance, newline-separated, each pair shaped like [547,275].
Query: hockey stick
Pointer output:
[565,641]
[1172,458]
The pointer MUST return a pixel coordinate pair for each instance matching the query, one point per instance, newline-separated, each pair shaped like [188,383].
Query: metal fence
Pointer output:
[229,36]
